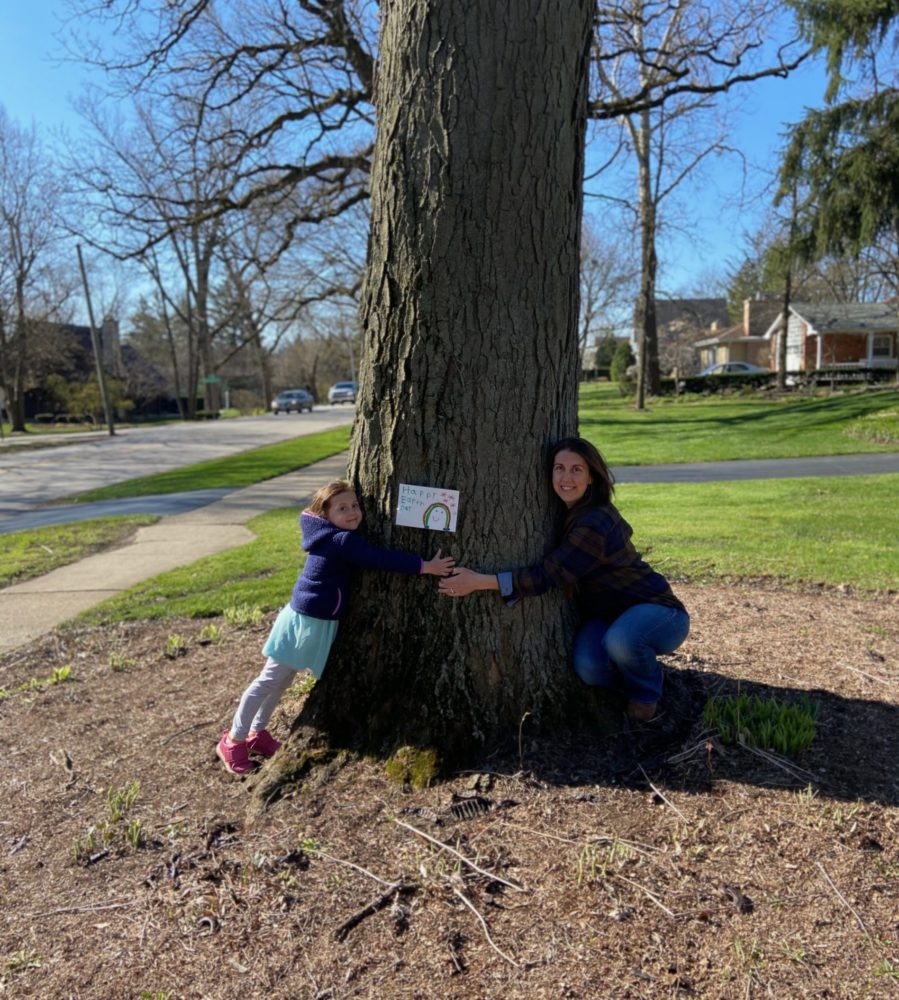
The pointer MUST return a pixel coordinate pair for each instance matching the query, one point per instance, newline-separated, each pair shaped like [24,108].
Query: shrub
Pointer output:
[621,361]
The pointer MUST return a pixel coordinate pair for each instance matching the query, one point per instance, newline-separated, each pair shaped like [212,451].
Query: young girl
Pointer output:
[303,632]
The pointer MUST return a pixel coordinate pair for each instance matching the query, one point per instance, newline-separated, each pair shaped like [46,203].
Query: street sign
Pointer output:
[211,379]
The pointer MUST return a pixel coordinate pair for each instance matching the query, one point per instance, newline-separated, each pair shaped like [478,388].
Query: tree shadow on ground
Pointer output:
[851,758]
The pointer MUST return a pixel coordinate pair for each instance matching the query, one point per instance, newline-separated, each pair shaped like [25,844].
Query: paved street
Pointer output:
[32,477]
[761,468]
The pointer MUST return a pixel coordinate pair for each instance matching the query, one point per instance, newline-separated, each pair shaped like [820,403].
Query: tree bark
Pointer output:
[648,379]
[785,319]
[469,370]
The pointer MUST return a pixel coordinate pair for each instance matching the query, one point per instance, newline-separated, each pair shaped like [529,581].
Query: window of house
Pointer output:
[881,346]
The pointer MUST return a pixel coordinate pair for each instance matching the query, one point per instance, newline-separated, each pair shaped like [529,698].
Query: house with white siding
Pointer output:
[828,335]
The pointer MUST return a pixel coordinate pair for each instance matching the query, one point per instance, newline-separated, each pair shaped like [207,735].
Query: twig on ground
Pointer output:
[143,933]
[651,896]
[82,909]
[843,899]
[520,746]
[439,843]
[601,839]
[664,798]
[792,769]
[190,729]
[350,864]
[870,677]
[701,747]
[485,929]
[378,904]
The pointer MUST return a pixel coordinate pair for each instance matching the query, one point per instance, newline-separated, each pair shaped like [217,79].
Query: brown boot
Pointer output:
[640,712]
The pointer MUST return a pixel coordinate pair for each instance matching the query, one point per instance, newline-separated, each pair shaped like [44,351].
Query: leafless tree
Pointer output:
[659,70]
[268,293]
[282,89]
[607,275]
[33,283]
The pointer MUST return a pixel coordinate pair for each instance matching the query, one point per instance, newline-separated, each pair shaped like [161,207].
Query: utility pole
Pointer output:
[101,377]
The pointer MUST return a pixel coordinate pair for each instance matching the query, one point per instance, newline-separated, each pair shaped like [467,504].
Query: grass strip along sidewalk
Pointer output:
[27,554]
[235,471]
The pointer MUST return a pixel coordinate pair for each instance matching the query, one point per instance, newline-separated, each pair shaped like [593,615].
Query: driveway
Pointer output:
[30,477]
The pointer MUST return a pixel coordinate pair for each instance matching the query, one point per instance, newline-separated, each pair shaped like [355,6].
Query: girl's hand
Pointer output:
[466,581]
[440,565]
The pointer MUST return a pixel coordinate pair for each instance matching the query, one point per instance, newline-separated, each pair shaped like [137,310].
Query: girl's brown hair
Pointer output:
[321,501]
[600,491]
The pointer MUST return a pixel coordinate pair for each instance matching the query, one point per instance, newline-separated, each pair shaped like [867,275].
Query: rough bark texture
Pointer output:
[469,371]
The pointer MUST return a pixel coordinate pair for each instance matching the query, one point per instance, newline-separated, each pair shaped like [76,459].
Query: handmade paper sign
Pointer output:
[427,507]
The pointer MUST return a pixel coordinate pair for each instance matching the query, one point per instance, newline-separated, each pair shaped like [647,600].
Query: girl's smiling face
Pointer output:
[344,511]
[571,476]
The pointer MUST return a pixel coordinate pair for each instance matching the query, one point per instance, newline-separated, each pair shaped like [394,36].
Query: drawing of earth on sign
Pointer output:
[427,507]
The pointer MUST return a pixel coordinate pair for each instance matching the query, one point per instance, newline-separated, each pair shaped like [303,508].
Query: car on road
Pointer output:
[342,392]
[292,401]
[734,368]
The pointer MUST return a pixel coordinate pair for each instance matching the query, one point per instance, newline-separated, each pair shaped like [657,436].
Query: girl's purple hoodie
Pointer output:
[324,585]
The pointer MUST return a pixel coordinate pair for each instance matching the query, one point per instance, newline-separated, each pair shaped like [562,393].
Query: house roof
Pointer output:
[851,317]
[697,312]
[728,336]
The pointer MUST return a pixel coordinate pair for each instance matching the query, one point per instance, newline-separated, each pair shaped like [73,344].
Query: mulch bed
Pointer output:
[653,862]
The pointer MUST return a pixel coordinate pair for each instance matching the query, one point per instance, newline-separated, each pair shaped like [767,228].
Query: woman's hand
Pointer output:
[439,565]
[464,581]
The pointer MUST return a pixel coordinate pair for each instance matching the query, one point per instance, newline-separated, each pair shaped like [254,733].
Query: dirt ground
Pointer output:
[649,863]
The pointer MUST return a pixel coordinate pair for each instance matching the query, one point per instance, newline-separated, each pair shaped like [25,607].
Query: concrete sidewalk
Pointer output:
[31,609]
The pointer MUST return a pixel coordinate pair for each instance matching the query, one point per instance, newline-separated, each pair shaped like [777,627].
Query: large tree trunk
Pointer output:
[785,318]
[16,404]
[648,376]
[470,314]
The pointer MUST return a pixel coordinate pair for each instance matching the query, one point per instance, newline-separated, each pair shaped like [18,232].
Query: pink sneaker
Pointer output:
[234,756]
[264,744]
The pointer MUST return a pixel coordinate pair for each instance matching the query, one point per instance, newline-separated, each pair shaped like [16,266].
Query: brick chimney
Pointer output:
[759,312]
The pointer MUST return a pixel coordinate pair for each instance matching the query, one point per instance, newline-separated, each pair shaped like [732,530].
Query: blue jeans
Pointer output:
[623,654]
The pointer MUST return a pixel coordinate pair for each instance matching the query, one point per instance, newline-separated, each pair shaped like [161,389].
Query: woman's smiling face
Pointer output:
[571,476]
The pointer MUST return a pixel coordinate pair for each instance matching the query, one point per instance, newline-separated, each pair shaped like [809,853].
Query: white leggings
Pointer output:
[261,699]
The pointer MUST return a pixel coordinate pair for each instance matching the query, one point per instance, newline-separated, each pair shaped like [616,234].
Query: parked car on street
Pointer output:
[733,368]
[342,392]
[292,401]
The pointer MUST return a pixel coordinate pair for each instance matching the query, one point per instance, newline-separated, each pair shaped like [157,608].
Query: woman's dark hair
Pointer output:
[600,491]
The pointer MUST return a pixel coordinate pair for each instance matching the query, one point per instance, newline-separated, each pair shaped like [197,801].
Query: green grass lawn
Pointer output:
[236,471]
[710,429]
[26,554]
[797,531]
[827,531]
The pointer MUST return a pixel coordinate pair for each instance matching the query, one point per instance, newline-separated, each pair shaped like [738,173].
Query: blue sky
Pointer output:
[36,86]
[33,85]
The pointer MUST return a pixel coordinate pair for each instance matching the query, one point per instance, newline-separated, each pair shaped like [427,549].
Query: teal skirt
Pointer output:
[299,641]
